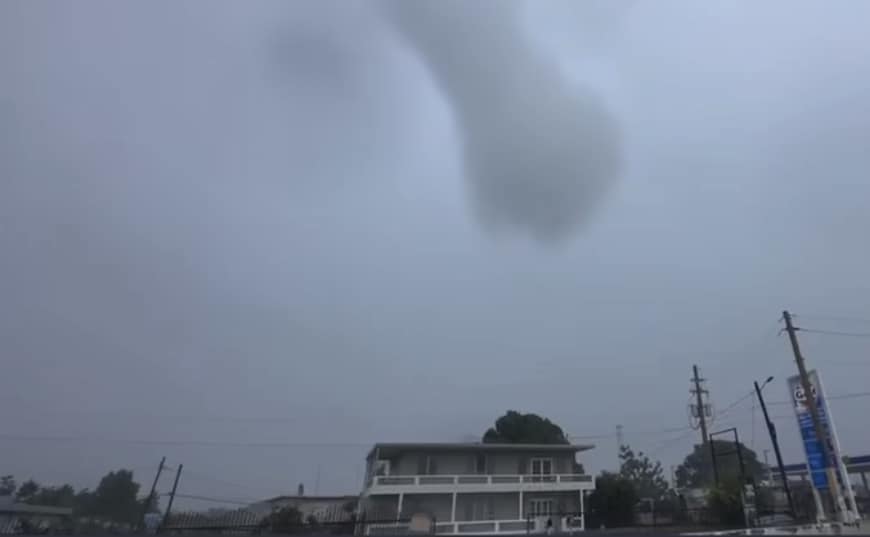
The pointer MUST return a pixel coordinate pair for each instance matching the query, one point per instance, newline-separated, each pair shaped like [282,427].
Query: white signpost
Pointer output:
[816,465]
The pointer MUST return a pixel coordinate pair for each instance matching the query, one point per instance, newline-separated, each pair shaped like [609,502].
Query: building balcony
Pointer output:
[434,484]
[530,525]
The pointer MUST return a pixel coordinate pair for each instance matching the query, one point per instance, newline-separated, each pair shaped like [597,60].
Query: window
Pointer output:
[426,465]
[480,463]
[542,467]
[382,467]
[481,508]
[540,508]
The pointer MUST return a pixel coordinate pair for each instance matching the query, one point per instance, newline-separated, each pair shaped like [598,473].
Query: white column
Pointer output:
[582,511]
[520,515]
[399,508]
[453,509]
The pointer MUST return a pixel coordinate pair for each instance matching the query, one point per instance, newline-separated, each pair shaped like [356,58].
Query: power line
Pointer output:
[832,318]
[215,500]
[834,332]
[841,397]
[202,477]
[629,433]
[204,443]
[734,404]
[669,442]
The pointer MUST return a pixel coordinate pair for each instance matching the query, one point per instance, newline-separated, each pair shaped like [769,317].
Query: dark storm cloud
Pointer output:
[539,151]
[244,222]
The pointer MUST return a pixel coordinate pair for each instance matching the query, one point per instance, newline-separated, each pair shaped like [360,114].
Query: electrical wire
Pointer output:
[204,443]
[831,318]
[196,476]
[211,499]
[834,332]
[733,405]
[841,397]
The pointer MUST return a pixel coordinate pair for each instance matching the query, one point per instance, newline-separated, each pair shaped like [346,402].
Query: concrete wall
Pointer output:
[487,507]
[380,507]
[436,505]
[464,463]
[563,502]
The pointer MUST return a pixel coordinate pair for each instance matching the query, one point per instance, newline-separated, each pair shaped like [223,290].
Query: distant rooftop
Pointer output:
[391,449]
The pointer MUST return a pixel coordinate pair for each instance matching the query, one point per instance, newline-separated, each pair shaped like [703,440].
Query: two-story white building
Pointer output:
[476,488]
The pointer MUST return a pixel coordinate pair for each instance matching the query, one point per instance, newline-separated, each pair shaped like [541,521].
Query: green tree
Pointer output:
[613,500]
[27,490]
[62,496]
[115,498]
[647,477]
[697,468]
[517,428]
[287,520]
[725,502]
[7,485]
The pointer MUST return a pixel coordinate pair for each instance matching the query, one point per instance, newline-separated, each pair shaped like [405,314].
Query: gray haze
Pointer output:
[539,152]
[239,234]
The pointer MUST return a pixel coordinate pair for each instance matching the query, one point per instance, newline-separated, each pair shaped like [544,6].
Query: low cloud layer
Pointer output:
[539,152]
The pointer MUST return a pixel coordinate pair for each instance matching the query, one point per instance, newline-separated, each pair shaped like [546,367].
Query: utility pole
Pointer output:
[150,497]
[771,429]
[809,397]
[698,392]
[172,495]
[620,441]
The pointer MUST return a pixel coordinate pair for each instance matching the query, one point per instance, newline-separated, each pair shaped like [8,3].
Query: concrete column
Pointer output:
[520,516]
[582,510]
[399,508]
[453,509]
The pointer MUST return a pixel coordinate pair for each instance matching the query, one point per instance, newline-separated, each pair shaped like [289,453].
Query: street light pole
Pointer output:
[771,429]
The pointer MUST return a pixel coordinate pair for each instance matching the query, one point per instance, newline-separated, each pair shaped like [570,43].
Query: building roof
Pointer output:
[392,449]
[9,506]
[312,499]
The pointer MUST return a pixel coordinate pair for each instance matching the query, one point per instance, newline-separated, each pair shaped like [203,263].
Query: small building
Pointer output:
[26,518]
[323,509]
[475,488]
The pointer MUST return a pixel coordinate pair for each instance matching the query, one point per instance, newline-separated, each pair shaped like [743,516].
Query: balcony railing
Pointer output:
[521,526]
[488,479]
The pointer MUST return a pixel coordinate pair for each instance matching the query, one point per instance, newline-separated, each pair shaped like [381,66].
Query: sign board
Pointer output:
[816,462]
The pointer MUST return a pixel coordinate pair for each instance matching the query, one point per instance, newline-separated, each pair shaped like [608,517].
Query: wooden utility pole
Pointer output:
[620,441]
[172,496]
[150,497]
[771,430]
[810,398]
[699,397]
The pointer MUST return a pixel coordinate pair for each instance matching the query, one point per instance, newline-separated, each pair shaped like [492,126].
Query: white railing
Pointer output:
[488,479]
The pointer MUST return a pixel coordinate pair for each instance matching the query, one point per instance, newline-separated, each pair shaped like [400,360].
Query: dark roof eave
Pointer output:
[477,446]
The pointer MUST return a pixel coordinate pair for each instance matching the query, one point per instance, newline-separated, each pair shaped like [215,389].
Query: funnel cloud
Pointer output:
[539,152]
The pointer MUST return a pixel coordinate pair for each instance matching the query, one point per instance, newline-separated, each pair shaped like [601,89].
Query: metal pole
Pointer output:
[713,459]
[172,496]
[771,429]
[833,485]
[700,401]
[151,494]
[743,478]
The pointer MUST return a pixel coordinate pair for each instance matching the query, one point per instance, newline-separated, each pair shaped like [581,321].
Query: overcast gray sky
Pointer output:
[318,225]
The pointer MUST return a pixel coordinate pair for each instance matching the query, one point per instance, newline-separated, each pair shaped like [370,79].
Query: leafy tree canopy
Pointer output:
[115,497]
[613,500]
[517,428]
[27,490]
[697,468]
[7,485]
[287,520]
[647,477]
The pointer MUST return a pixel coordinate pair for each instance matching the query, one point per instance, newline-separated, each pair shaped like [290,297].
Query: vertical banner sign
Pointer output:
[815,459]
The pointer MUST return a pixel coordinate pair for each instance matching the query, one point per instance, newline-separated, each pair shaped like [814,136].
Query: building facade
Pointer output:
[475,488]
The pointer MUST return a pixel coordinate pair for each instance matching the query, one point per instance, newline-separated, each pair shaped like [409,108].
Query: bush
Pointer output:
[725,503]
